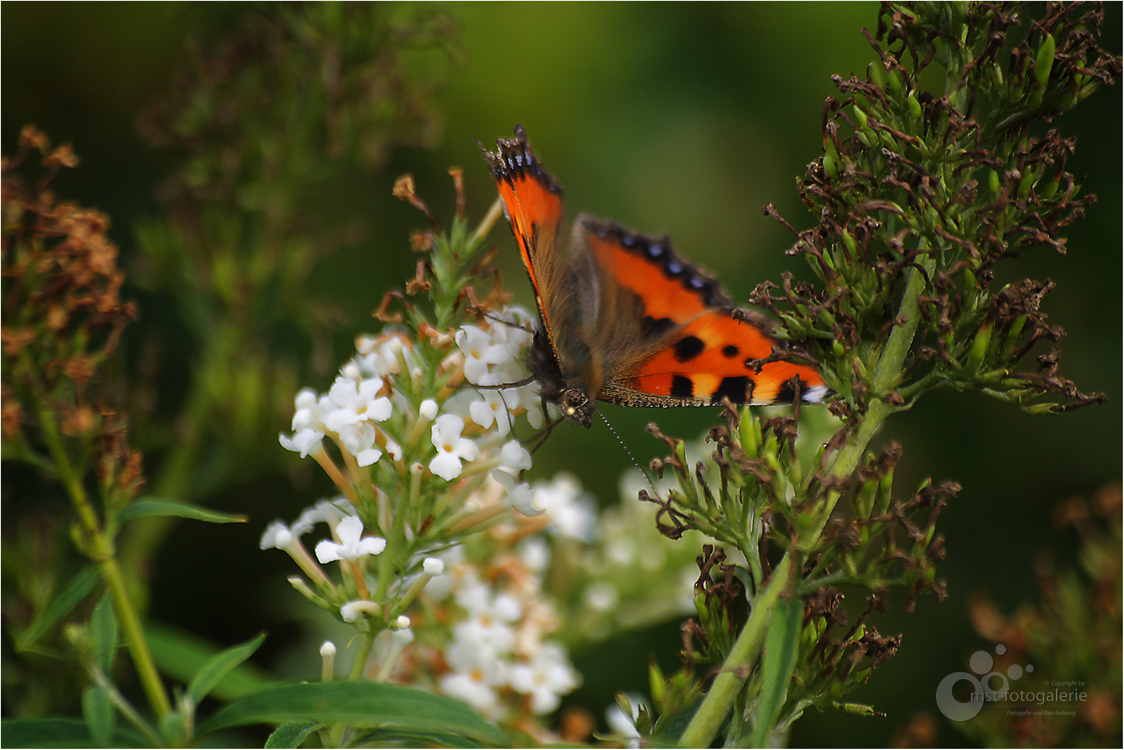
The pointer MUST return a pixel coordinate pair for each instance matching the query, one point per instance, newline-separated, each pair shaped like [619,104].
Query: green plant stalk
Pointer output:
[126,708]
[712,713]
[366,640]
[887,371]
[102,553]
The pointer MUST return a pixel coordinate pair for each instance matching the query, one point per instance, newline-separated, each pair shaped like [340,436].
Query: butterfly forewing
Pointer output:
[532,201]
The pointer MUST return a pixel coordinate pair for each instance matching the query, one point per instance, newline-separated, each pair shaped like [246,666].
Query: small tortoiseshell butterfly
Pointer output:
[625,319]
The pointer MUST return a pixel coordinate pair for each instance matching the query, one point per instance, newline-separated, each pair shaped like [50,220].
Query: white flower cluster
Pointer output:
[499,652]
[347,541]
[493,355]
[368,410]
[352,410]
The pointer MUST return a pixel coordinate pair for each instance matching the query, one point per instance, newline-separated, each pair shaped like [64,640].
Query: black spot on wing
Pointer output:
[730,351]
[682,387]
[687,348]
[787,392]
[735,388]
[655,328]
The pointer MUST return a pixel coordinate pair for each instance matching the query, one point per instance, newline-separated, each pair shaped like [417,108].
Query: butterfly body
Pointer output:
[625,319]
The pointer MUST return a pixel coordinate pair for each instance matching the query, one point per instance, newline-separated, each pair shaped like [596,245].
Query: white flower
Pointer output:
[359,440]
[428,409]
[394,449]
[303,441]
[481,352]
[473,686]
[402,623]
[475,676]
[350,612]
[352,545]
[306,414]
[494,407]
[514,457]
[379,356]
[349,403]
[534,552]
[328,649]
[433,566]
[546,678]
[572,515]
[330,512]
[451,447]
[460,403]
[519,495]
[350,370]
[517,336]
[529,398]
[276,536]
[490,625]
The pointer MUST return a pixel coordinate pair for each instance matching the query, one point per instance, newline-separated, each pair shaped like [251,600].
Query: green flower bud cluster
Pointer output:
[899,192]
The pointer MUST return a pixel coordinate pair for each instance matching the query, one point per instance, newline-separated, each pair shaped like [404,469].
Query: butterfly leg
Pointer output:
[549,426]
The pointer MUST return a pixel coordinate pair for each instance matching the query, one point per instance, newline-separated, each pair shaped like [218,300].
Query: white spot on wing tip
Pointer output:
[816,394]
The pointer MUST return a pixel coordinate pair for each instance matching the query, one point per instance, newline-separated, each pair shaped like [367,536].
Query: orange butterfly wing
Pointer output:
[532,202]
[700,353]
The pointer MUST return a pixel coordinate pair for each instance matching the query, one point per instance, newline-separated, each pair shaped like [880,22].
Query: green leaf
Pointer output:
[61,732]
[103,626]
[778,663]
[97,710]
[179,654]
[398,711]
[383,737]
[219,666]
[76,590]
[291,734]
[146,508]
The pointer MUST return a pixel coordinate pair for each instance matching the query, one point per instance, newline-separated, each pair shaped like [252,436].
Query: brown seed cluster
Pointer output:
[62,310]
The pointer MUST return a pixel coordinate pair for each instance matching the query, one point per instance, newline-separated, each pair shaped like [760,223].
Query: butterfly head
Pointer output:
[576,406]
[554,388]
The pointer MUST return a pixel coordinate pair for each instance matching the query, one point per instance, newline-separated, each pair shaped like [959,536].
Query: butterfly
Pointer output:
[625,319]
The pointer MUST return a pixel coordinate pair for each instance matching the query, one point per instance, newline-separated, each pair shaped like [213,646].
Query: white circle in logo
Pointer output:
[981,662]
[957,710]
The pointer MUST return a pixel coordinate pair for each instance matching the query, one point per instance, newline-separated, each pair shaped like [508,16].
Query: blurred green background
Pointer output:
[677,118]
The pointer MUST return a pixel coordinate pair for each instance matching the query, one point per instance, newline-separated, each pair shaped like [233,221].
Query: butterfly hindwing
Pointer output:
[695,352]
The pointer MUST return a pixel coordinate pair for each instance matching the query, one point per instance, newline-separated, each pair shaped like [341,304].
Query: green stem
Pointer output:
[735,670]
[886,374]
[101,550]
[126,708]
[366,640]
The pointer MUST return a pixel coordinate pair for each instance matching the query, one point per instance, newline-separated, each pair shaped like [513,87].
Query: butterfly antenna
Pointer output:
[497,319]
[507,415]
[631,457]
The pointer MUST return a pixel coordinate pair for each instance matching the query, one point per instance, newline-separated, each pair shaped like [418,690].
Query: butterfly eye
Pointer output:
[573,400]
[576,406]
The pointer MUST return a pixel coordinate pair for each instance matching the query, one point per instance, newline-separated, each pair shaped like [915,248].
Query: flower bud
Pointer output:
[1044,62]
[914,106]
